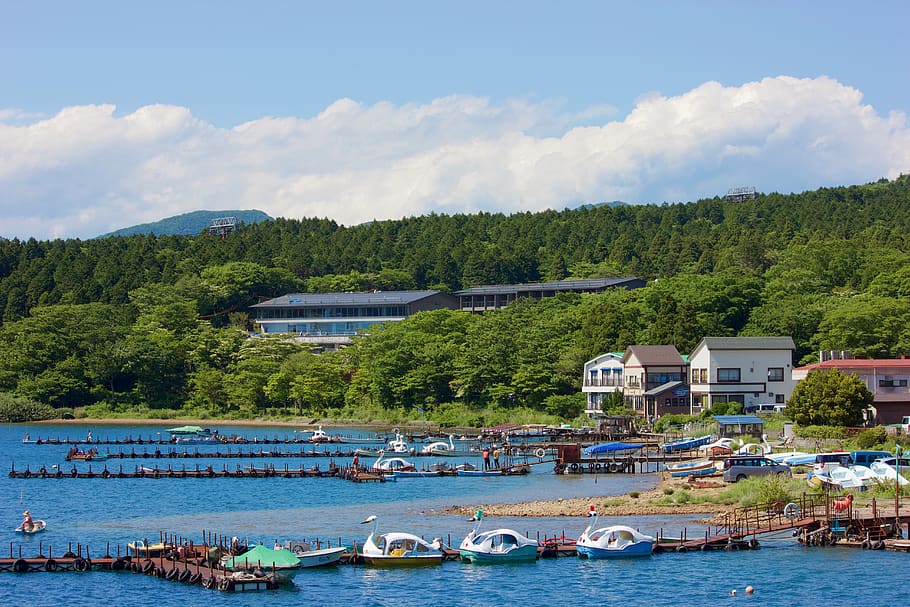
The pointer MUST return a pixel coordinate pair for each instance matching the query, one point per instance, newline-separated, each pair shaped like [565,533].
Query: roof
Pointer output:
[728,420]
[747,343]
[591,284]
[654,355]
[302,300]
[860,363]
[663,388]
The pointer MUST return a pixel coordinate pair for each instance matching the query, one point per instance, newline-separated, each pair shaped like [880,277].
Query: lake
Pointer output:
[102,512]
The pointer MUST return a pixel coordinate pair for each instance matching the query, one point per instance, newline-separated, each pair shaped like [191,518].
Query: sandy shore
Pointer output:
[614,505]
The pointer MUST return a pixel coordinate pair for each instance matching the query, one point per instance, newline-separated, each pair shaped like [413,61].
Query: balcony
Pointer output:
[604,382]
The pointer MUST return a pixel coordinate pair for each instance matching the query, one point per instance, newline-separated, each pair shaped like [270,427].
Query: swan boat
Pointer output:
[611,542]
[446,449]
[399,549]
[499,545]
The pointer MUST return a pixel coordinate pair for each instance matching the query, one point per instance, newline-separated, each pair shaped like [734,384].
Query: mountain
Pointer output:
[189,224]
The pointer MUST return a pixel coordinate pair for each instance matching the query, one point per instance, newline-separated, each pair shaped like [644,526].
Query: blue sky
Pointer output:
[114,113]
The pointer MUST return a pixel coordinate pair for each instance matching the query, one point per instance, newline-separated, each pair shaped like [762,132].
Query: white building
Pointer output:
[602,377]
[747,370]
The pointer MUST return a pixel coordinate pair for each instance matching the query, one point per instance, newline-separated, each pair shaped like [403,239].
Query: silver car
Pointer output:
[740,467]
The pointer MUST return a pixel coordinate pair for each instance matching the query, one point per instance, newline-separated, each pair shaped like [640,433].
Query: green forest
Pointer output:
[159,325]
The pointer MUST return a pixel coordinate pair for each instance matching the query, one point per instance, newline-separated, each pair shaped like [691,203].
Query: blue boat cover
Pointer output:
[609,447]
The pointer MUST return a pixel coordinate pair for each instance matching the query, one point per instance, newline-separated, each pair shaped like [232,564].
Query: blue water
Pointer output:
[102,513]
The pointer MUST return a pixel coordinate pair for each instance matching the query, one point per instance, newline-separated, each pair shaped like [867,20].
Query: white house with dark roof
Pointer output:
[747,370]
[602,376]
[330,319]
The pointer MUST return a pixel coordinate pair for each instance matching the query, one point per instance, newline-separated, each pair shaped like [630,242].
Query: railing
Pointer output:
[603,383]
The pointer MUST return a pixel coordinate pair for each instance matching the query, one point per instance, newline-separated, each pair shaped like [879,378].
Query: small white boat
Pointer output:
[38,526]
[315,558]
[398,549]
[886,473]
[702,467]
[499,545]
[398,445]
[612,542]
[846,478]
[320,436]
[781,458]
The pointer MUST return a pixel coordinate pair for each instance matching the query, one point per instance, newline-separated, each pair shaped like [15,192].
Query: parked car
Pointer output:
[739,468]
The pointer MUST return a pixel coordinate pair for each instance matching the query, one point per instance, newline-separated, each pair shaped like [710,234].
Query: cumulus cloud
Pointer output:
[86,171]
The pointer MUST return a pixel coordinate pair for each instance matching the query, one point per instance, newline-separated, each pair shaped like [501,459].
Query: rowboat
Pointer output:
[684,444]
[283,563]
[315,558]
[701,467]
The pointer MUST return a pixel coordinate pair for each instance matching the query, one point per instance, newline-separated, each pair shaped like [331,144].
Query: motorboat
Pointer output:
[282,562]
[722,446]
[399,549]
[886,473]
[78,455]
[702,467]
[142,549]
[611,542]
[846,478]
[320,436]
[499,545]
[37,526]
[685,444]
[782,457]
[315,558]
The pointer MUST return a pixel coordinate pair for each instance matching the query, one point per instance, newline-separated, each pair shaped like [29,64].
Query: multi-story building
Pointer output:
[602,378]
[656,380]
[493,297]
[887,379]
[330,319]
[747,370]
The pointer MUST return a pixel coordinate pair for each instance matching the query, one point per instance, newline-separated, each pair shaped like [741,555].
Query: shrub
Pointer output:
[14,409]
[872,437]
[634,494]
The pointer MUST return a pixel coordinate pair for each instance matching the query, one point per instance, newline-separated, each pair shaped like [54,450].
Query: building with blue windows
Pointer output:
[332,318]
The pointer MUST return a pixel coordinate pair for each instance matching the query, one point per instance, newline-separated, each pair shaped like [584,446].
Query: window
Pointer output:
[776,374]
[728,375]
[779,399]
[704,376]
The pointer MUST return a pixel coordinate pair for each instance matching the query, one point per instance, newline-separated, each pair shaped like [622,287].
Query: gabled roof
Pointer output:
[377,298]
[746,343]
[653,356]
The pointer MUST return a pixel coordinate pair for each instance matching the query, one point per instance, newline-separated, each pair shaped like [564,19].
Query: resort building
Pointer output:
[887,379]
[748,370]
[330,319]
[655,381]
[493,297]
[602,378]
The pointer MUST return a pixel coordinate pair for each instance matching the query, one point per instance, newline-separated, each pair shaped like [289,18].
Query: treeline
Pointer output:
[125,324]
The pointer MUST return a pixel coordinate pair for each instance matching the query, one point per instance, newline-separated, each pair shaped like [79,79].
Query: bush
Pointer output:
[873,437]
[15,409]
[634,494]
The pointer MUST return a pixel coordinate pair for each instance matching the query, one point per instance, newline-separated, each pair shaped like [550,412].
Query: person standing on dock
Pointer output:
[356,463]
[486,458]
[496,454]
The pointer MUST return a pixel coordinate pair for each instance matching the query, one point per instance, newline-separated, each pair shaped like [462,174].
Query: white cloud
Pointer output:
[86,171]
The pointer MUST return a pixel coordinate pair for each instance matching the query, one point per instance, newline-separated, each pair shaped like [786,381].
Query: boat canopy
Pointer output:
[262,556]
[610,447]
[188,430]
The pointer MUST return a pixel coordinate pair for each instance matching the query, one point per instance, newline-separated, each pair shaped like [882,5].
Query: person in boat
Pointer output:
[27,523]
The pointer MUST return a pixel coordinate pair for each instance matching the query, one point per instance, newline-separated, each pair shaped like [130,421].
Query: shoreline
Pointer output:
[608,505]
[252,423]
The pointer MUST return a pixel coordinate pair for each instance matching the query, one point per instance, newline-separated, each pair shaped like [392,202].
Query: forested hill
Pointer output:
[129,324]
[456,251]
[188,224]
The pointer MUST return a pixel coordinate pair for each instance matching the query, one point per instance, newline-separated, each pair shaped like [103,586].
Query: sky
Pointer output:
[117,113]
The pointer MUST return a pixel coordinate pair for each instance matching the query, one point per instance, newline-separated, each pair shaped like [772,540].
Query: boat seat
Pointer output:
[398,552]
